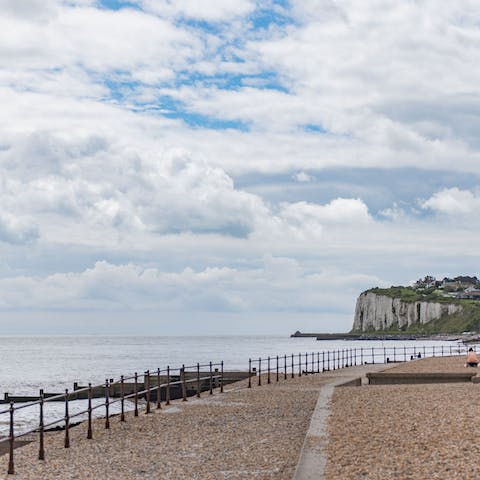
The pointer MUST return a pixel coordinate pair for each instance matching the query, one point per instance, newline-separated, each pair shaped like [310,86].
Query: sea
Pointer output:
[54,363]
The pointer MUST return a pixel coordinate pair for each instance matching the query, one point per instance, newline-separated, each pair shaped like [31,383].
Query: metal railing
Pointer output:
[287,366]
[146,385]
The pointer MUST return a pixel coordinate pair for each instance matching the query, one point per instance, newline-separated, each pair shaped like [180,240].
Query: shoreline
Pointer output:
[388,336]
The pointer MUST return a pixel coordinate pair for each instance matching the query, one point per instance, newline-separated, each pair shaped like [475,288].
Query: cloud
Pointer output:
[15,230]
[453,201]
[207,10]
[338,211]
[276,284]
[32,10]
[303,177]
[125,43]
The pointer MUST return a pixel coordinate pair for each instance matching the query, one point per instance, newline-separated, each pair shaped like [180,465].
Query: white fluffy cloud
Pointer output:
[453,201]
[278,284]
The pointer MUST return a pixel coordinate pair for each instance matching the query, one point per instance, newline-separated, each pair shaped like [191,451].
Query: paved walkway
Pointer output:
[311,464]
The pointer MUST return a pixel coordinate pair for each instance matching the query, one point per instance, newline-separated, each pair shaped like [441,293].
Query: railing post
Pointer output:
[122,398]
[434,350]
[394,353]
[67,421]
[306,363]
[107,405]
[159,390]
[211,378]
[146,382]
[198,380]
[293,367]
[249,372]
[318,362]
[299,364]
[167,392]
[285,366]
[328,360]
[11,440]
[277,368]
[41,430]
[323,361]
[260,371]
[361,355]
[334,363]
[373,355]
[221,376]
[268,370]
[135,389]
[89,425]
[184,384]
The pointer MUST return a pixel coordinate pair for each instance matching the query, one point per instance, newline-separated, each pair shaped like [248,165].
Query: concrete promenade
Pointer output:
[313,456]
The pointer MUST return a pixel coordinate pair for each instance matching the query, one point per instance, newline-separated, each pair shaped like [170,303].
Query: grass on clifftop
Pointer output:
[409,294]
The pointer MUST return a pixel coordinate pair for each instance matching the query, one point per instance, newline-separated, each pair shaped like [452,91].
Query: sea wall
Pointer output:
[380,312]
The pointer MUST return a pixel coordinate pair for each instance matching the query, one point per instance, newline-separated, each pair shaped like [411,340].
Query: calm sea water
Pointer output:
[54,363]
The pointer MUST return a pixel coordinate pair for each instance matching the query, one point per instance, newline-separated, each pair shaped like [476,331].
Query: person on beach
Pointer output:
[472,358]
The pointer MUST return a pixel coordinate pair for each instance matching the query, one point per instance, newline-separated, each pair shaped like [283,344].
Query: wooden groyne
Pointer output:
[80,392]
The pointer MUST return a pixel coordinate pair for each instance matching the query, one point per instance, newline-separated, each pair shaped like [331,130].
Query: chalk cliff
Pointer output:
[381,312]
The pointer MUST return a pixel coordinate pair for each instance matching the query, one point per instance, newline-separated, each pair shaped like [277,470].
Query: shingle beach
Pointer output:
[407,432]
[242,434]
[375,432]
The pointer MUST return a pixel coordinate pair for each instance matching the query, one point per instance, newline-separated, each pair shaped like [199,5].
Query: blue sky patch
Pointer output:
[117,4]
[314,128]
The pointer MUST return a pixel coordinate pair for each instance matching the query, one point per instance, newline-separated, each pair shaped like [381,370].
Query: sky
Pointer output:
[202,167]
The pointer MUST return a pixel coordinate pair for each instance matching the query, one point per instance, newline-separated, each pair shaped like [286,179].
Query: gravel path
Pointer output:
[243,434]
[406,431]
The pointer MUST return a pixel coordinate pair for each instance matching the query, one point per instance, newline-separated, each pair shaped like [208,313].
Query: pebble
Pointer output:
[242,434]
[408,432]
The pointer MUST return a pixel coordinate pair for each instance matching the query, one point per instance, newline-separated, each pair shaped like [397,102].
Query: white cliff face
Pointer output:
[379,312]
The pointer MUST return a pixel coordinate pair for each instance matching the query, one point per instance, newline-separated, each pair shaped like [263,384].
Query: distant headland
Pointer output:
[429,308]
